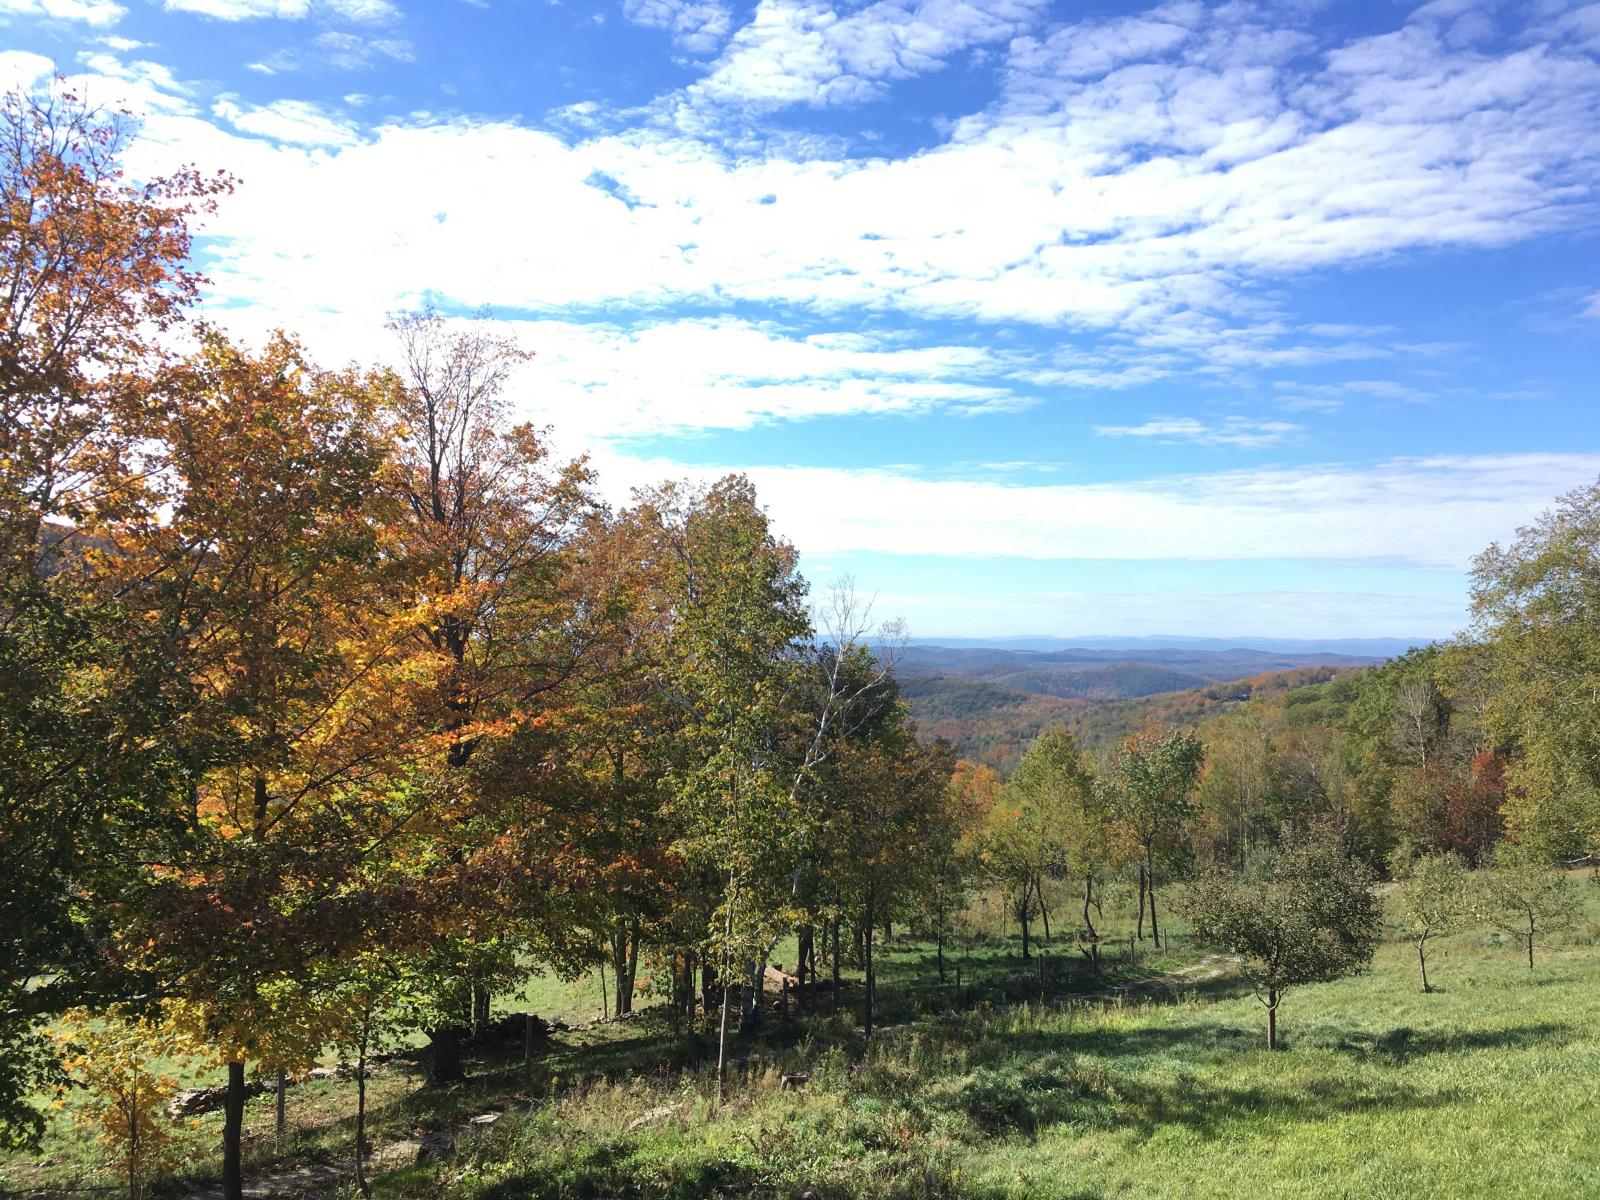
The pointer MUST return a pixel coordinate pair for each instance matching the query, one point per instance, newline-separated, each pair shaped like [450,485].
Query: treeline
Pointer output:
[333,703]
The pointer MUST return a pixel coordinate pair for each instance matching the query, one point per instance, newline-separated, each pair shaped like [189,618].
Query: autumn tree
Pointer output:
[955,858]
[269,584]
[488,522]
[1309,915]
[120,1064]
[94,281]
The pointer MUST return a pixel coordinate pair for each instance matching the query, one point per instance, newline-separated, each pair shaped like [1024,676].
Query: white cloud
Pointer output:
[96,13]
[1436,512]
[242,10]
[1239,432]
[698,26]
[360,11]
[22,71]
[1591,307]
[298,121]
[809,52]
[1155,206]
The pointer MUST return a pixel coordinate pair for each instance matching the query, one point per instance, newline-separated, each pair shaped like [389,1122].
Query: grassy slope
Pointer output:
[1484,1088]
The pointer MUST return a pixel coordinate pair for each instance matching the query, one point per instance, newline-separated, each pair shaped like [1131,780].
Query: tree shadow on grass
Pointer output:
[1396,1046]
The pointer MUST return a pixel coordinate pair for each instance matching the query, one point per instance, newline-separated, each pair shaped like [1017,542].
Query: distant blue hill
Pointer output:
[1386,647]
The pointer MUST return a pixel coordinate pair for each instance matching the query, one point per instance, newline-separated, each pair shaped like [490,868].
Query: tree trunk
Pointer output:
[836,964]
[1272,1018]
[233,1134]
[708,986]
[527,1046]
[444,1055]
[722,1033]
[1530,942]
[1022,920]
[1155,929]
[871,981]
[939,949]
[1044,913]
[727,996]
[482,999]
[1422,960]
[1089,934]
[361,1115]
[1141,902]
[281,1104]
[133,1136]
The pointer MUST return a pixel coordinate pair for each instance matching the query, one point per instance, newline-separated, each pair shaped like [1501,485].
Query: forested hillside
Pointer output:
[993,723]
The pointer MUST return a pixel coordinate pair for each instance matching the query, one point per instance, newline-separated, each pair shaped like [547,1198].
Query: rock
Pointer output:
[654,1114]
[484,1120]
[435,1148]
[513,1027]
[324,1073]
[194,1101]
[793,1083]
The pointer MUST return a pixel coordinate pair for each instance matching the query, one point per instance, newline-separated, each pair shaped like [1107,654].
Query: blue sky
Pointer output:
[1035,318]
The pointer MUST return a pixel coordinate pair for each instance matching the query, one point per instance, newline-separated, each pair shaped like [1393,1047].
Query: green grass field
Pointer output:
[1487,1087]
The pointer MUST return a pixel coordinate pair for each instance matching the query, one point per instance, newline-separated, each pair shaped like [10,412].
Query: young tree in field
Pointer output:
[94,276]
[955,855]
[1152,778]
[1533,603]
[891,829]
[1058,821]
[1527,898]
[1435,897]
[1308,916]
[120,1065]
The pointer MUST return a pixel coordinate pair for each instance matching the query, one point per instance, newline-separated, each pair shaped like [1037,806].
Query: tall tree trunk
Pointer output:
[1150,886]
[1090,935]
[133,1136]
[722,1032]
[1141,901]
[871,980]
[836,964]
[361,1115]
[233,1134]
[727,996]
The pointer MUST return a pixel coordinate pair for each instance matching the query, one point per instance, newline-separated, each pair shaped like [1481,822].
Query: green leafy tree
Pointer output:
[1152,780]
[1435,897]
[1308,915]
[1533,604]
[1528,898]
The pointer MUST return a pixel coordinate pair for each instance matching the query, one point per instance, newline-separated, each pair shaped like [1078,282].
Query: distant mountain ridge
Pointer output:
[990,696]
[1376,647]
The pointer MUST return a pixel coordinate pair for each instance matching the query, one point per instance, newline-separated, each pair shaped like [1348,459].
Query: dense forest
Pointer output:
[332,707]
